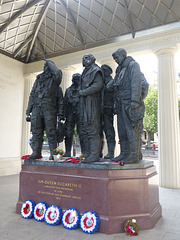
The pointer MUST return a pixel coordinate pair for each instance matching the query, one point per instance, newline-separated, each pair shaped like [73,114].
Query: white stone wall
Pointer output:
[11,102]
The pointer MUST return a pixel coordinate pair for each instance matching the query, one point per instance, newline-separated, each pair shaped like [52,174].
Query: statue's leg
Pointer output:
[101,135]
[109,132]
[111,147]
[140,139]
[50,119]
[134,144]
[134,153]
[123,140]
[69,132]
[37,128]
[94,143]
[101,146]
[68,146]
[84,146]
[133,125]
[124,151]
[83,137]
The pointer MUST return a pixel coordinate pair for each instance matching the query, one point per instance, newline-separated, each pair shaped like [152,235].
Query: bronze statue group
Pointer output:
[90,103]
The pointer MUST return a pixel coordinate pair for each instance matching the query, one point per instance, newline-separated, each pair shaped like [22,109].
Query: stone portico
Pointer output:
[16,82]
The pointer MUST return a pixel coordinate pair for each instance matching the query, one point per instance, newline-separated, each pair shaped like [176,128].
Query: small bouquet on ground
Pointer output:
[72,160]
[81,157]
[61,152]
[131,227]
[121,163]
[57,151]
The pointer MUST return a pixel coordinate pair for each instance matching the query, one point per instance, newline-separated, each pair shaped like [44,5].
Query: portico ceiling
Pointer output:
[33,29]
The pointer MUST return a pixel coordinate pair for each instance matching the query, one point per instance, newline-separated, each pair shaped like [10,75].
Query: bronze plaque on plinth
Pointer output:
[114,192]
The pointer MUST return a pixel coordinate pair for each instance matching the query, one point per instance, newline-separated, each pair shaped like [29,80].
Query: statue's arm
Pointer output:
[31,99]
[95,86]
[110,85]
[55,71]
[135,76]
[60,104]
[65,102]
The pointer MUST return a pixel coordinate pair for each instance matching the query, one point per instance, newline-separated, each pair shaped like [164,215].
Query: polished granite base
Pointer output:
[116,193]
[102,164]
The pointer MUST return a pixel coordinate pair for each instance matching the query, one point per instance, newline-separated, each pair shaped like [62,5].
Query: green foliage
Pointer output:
[179,107]
[150,121]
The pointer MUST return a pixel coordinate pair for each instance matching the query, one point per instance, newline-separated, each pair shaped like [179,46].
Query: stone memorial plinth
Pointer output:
[116,193]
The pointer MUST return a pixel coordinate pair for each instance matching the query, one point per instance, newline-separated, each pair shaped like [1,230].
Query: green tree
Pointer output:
[150,121]
[179,107]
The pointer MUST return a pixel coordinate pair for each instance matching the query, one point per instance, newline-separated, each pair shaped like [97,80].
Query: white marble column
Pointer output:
[67,77]
[25,148]
[168,120]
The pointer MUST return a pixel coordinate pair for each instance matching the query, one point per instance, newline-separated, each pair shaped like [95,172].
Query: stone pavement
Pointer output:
[13,226]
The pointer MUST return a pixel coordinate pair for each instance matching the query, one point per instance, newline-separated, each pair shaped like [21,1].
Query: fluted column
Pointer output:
[168,120]
[67,78]
[28,83]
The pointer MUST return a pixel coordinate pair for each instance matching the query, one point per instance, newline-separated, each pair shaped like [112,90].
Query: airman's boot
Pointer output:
[134,153]
[110,154]
[94,151]
[33,156]
[124,151]
[68,145]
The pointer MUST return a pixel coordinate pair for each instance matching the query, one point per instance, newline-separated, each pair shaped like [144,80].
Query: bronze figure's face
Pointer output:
[118,57]
[106,69]
[87,60]
[76,78]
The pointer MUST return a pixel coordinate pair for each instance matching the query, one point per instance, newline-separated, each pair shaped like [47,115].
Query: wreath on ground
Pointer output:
[39,211]
[131,227]
[71,218]
[89,222]
[27,209]
[53,215]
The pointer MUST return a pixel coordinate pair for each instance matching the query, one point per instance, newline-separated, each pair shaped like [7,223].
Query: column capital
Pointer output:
[30,76]
[70,69]
[162,51]
[108,62]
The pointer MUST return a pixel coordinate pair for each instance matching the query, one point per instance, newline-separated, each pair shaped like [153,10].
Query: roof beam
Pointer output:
[6,53]
[23,45]
[154,14]
[130,19]
[169,11]
[16,15]
[41,46]
[1,2]
[73,21]
[38,25]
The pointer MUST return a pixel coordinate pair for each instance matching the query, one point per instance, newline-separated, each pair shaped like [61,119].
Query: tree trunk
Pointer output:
[149,139]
